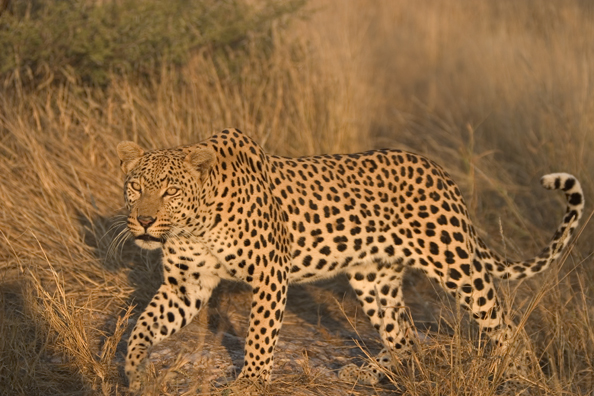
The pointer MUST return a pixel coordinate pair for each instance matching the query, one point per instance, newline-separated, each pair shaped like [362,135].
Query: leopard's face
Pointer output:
[161,192]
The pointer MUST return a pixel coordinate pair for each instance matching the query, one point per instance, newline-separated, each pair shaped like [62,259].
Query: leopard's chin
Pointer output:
[148,242]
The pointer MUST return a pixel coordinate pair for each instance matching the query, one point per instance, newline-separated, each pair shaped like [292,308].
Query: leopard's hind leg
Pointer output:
[379,290]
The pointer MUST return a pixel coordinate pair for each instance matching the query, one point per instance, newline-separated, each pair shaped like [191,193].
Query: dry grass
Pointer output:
[497,92]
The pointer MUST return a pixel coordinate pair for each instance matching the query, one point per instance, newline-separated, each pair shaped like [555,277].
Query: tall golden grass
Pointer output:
[499,93]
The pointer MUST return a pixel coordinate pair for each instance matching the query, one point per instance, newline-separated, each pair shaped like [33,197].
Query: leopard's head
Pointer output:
[162,190]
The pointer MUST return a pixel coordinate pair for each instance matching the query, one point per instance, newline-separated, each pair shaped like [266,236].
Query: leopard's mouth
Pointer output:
[149,238]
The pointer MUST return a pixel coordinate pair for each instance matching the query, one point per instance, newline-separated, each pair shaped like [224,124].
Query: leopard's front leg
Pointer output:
[173,306]
[268,306]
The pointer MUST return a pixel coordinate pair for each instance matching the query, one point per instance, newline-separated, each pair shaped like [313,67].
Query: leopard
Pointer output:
[224,209]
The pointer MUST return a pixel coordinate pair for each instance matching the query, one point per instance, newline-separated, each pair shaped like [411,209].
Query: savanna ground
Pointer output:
[499,93]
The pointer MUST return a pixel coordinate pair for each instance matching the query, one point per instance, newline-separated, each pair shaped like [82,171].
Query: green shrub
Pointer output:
[46,40]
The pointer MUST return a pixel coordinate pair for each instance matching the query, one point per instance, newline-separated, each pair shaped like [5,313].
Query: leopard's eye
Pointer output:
[135,186]
[171,191]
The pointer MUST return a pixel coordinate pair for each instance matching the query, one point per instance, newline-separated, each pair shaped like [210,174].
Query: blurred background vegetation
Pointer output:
[47,41]
[497,92]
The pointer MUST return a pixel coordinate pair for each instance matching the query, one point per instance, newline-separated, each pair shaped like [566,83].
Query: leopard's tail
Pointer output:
[508,269]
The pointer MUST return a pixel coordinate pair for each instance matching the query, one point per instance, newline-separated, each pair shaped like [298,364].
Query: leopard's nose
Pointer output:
[146,221]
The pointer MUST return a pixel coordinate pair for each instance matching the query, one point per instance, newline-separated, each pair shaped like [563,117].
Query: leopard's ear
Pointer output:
[129,153]
[201,160]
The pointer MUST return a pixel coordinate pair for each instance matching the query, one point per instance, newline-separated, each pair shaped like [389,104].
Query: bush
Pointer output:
[47,40]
